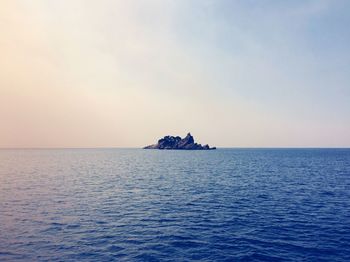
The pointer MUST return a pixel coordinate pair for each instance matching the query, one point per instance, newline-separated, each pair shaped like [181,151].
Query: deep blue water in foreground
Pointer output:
[145,205]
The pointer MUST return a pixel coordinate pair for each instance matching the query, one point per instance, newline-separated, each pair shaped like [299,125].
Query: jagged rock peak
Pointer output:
[178,143]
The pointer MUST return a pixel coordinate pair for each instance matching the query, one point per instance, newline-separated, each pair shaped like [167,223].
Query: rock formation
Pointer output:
[175,142]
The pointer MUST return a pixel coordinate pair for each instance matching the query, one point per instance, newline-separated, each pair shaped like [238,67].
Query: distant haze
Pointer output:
[79,73]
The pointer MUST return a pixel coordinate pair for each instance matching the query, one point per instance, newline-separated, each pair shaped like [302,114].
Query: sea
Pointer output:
[154,205]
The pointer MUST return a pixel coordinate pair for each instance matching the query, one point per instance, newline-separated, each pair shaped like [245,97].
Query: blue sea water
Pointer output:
[149,205]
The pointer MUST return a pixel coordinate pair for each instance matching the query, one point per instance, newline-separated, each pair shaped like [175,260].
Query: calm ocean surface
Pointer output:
[148,205]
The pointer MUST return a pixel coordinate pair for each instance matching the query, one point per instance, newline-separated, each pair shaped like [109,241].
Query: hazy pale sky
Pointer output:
[79,73]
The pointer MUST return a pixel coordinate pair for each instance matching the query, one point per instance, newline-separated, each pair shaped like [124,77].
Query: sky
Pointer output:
[248,73]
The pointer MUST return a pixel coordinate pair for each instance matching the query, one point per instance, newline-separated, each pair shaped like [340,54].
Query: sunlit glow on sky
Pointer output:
[84,73]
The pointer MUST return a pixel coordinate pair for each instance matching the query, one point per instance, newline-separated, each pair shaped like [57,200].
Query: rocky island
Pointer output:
[178,143]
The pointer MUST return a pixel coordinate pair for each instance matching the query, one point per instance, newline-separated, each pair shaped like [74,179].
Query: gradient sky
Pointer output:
[79,73]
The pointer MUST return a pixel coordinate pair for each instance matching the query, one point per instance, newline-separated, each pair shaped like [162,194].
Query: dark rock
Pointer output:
[175,142]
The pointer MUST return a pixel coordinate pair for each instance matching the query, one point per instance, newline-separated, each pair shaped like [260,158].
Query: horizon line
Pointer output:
[229,147]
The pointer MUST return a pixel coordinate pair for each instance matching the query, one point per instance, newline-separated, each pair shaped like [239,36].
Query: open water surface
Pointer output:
[150,205]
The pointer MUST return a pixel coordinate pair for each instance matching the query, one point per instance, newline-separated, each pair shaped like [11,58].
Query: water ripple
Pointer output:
[137,205]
